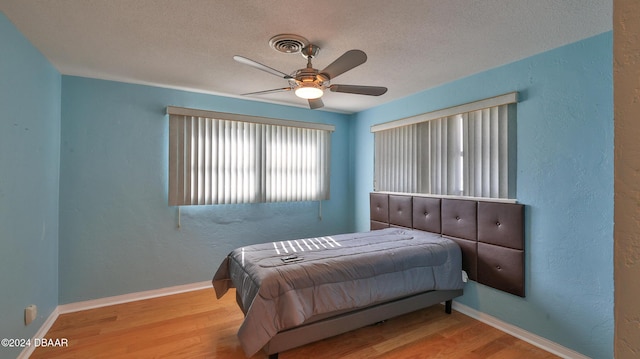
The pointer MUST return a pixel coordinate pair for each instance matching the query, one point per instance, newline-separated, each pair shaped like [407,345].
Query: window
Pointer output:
[467,150]
[217,158]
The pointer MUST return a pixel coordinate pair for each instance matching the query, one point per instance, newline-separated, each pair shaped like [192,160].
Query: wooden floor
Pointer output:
[196,325]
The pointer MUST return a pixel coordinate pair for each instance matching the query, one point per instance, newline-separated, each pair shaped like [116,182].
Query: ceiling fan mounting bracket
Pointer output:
[310,51]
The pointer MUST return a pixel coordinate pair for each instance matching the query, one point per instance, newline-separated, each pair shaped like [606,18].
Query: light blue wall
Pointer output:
[29,165]
[117,233]
[565,178]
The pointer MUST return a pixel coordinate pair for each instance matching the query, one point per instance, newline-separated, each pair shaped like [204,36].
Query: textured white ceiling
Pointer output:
[412,45]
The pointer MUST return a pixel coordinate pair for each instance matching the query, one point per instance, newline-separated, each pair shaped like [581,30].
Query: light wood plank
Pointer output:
[196,325]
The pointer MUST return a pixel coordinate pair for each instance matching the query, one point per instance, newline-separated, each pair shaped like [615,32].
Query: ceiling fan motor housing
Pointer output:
[306,74]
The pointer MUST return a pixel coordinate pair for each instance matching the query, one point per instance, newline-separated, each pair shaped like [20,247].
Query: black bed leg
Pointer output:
[273,356]
[447,306]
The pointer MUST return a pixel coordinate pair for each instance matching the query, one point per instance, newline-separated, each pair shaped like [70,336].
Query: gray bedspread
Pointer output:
[329,274]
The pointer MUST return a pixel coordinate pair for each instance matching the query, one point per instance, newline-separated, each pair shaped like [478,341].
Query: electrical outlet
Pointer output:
[30,313]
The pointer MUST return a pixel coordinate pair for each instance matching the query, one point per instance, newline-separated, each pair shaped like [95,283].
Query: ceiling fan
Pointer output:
[309,83]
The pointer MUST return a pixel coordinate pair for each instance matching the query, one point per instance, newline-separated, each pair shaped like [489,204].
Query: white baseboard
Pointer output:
[519,333]
[132,297]
[41,333]
[103,302]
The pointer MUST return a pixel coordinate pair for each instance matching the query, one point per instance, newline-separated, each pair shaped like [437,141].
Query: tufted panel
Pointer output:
[459,218]
[400,211]
[501,268]
[426,214]
[379,225]
[379,210]
[501,224]
[469,256]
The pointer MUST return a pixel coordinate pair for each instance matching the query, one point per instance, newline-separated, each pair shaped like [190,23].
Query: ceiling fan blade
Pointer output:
[359,90]
[267,91]
[344,63]
[315,103]
[259,66]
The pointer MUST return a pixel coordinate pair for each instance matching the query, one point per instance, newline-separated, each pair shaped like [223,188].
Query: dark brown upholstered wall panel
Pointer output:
[400,211]
[378,225]
[379,210]
[459,218]
[469,256]
[501,268]
[426,214]
[501,224]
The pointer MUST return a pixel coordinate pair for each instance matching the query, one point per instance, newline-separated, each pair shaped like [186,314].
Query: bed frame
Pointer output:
[490,234]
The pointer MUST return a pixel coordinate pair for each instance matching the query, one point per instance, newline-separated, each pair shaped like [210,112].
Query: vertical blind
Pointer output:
[217,158]
[466,150]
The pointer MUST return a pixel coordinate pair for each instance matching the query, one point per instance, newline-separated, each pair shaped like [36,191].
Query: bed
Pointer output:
[294,292]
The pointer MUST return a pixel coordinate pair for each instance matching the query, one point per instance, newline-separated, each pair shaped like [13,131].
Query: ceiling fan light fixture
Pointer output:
[309,91]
